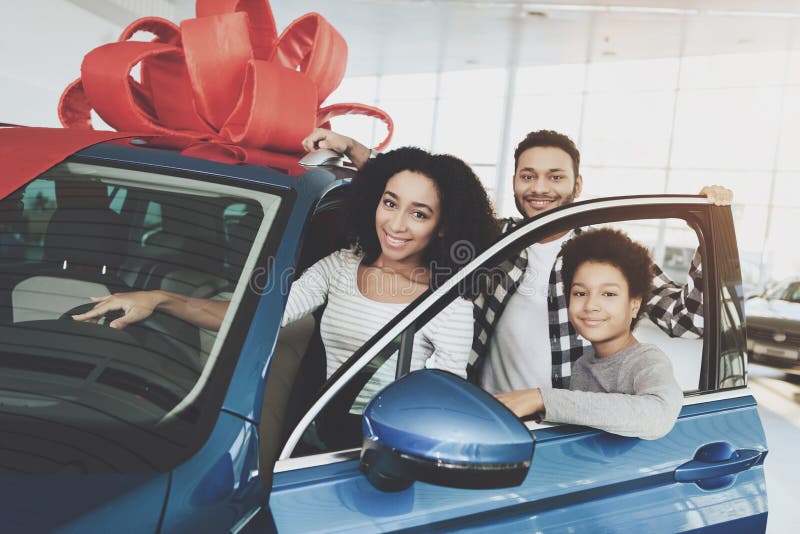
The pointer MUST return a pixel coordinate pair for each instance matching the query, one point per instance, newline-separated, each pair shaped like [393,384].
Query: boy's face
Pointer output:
[544,179]
[600,306]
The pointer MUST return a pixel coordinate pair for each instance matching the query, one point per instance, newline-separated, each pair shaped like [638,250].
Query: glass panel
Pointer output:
[551,79]
[747,186]
[146,383]
[673,244]
[626,76]
[609,181]
[627,129]
[784,257]
[338,425]
[559,112]
[726,128]
[355,89]
[733,70]
[413,122]
[787,190]
[487,83]
[788,154]
[478,143]
[407,86]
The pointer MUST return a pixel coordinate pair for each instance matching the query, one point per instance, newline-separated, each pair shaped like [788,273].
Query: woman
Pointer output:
[413,216]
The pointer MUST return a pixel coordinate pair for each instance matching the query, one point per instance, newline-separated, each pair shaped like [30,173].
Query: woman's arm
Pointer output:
[139,305]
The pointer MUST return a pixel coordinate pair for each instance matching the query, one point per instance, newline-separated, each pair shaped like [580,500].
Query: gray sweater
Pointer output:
[630,393]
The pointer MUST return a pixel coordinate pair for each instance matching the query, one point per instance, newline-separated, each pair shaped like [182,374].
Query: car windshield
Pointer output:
[83,397]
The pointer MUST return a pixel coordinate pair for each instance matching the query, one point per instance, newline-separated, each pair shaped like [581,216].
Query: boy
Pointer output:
[625,387]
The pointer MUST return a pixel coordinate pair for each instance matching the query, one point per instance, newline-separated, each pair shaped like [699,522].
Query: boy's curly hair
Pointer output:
[467,219]
[614,247]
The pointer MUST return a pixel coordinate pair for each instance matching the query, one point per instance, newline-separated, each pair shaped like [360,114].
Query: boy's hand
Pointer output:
[522,402]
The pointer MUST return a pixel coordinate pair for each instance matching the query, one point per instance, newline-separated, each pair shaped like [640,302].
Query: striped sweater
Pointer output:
[350,318]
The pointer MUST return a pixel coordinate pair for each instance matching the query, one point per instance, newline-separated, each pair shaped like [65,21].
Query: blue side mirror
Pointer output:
[436,427]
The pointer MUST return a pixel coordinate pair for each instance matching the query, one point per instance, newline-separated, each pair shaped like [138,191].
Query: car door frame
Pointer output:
[622,208]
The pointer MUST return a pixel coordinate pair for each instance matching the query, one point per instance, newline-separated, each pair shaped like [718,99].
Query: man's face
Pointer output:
[544,179]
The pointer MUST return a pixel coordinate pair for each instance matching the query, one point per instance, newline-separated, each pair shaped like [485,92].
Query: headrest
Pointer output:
[87,238]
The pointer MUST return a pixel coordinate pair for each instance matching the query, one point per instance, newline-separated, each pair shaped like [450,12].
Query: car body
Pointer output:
[773,326]
[173,429]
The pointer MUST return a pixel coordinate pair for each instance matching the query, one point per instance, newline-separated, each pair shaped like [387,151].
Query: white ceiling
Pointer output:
[402,36]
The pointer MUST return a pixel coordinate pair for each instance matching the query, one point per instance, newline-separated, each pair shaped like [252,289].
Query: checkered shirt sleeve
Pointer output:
[566,346]
[678,309]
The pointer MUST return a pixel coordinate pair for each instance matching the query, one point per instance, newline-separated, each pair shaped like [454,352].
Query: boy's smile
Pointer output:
[600,307]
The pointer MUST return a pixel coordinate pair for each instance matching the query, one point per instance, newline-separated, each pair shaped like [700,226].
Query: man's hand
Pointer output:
[321,138]
[717,195]
[522,402]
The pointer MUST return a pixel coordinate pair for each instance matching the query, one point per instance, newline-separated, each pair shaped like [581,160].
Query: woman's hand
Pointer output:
[136,305]
[522,402]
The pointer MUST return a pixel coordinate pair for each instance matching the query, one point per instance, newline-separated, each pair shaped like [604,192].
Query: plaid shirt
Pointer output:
[676,309]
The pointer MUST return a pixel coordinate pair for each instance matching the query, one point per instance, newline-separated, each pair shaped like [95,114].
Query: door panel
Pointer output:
[580,479]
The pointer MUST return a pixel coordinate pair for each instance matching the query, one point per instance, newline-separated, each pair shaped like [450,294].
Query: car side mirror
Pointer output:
[435,427]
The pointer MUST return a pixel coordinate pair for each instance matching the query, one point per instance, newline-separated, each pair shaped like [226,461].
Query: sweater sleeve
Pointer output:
[450,334]
[649,412]
[310,291]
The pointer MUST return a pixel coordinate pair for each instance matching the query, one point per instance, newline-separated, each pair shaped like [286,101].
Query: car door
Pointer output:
[707,472]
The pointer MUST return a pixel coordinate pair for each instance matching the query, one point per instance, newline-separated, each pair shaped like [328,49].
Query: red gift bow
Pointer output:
[224,78]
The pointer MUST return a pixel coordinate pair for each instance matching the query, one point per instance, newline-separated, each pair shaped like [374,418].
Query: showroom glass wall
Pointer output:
[658,103]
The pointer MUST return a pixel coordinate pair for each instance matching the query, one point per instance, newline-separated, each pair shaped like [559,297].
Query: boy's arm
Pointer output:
[321,138]
[649,412]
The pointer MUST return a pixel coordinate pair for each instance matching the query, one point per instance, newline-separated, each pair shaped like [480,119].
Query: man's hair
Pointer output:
[613,247]
[549,138]
[467,217]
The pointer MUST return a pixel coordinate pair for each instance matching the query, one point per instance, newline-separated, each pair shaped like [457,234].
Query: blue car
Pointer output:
[166,427]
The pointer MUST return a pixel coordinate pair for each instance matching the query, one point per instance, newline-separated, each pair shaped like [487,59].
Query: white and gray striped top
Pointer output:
[350,318]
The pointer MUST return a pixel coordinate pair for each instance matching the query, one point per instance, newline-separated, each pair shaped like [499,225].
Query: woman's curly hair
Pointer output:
[467,220]
[606,245]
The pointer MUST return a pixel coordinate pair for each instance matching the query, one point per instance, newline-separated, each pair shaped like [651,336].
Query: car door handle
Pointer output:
[716,464]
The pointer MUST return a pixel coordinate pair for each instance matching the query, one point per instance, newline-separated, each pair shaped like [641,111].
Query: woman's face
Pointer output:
[407,216]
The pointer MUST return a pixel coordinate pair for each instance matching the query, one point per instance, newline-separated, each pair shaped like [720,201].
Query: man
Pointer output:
[535,345]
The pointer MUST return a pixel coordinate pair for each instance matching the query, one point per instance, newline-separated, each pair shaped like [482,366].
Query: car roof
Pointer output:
[137,153]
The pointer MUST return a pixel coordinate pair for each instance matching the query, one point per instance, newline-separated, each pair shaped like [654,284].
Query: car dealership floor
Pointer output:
[779,406]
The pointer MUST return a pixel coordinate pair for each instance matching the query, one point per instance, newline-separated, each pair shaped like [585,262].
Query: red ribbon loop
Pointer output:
[223,76]
[325,115]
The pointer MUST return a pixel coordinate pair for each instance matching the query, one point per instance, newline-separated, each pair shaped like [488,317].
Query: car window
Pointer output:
[674,243]
[146,384]
[338,426]
[793,293]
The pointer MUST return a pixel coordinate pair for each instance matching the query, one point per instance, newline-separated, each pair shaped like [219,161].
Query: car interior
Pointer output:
[77,238]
